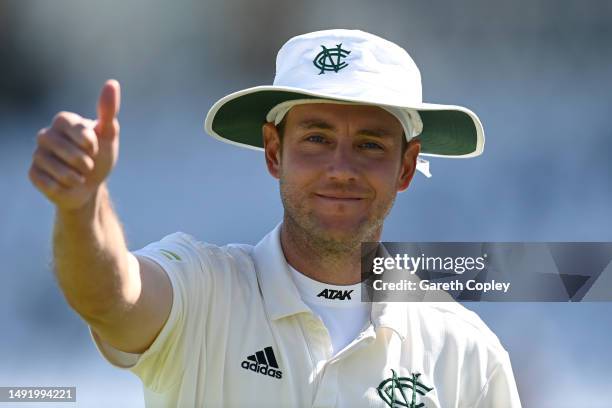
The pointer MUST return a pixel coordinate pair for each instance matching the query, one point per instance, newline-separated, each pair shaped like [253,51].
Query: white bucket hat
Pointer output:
[354,67]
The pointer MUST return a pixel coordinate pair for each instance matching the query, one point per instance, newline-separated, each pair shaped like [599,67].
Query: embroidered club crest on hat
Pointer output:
[330,59]
[354,67]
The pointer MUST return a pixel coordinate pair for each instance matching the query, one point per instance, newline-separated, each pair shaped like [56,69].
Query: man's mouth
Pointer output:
[339,196]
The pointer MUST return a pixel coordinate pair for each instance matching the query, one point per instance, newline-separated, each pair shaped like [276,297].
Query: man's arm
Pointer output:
[125,300]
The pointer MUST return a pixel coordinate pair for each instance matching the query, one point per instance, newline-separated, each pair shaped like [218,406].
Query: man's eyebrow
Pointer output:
[378,132]
[309,124]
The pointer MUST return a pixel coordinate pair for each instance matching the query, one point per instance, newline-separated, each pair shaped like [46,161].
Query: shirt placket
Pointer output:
[325,373]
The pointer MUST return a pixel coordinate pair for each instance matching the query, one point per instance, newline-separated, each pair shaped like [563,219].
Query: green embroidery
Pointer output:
[387,391]
[170,255]
[329,59]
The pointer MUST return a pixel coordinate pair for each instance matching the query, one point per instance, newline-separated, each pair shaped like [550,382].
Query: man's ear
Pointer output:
[408,164]
[272,148]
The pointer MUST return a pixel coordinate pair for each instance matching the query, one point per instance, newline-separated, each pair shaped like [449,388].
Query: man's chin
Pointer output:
[344,233]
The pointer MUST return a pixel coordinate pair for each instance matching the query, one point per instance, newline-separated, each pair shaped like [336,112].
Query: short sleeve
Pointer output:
[500,390]
[162,365]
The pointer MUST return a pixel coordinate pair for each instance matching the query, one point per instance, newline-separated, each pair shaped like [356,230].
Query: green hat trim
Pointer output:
[445,132]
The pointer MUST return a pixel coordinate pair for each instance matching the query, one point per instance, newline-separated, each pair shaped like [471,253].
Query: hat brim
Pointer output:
[448,130]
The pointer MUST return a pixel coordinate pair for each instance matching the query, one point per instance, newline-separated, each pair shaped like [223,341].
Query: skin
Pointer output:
[340,168]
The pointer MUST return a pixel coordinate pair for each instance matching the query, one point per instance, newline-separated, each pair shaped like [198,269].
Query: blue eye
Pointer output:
[371,145]
[316,138]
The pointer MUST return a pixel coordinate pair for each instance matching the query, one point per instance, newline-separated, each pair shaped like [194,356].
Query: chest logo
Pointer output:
[330,59]
[263,362]
[335,294]
[402,391]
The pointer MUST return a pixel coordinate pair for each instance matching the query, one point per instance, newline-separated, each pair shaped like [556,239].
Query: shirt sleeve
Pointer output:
[162,365]
[500,390]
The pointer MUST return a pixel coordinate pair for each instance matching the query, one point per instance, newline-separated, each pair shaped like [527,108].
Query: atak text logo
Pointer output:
[335,294]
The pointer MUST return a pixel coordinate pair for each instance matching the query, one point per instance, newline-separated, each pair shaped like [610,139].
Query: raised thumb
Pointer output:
[108,108]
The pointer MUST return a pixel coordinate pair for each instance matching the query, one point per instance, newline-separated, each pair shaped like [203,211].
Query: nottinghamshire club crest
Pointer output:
[402,391]
[331,59]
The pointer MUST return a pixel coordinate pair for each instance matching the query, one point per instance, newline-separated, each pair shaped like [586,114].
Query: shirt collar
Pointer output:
[282,298]
[393,315]
[280,294]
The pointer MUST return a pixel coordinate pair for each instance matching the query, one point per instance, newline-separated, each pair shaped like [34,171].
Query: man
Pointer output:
[280,323]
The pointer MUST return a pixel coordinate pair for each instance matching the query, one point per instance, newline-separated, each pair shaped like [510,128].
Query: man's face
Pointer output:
[340,168]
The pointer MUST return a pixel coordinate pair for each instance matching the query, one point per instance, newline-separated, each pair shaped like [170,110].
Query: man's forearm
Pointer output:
[91,257]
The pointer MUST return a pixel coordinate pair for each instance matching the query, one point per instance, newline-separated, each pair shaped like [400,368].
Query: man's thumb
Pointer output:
[108,107]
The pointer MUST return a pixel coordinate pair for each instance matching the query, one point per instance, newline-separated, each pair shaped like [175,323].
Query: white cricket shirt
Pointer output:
[239,335]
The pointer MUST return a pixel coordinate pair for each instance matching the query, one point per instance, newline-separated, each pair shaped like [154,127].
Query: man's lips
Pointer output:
[340,196]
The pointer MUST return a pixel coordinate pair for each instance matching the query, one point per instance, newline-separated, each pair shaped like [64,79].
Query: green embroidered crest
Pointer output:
[389,389]
[330,59]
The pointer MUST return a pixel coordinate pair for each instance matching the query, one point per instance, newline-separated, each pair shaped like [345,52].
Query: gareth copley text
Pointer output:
[425,285]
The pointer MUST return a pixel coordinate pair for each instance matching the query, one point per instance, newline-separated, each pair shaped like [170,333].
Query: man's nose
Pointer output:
[343,163]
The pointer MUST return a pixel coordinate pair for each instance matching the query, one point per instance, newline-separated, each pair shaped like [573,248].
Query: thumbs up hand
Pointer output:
[75,155]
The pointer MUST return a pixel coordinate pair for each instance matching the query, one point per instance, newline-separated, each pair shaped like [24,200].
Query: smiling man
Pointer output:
[340,168]
[280,323]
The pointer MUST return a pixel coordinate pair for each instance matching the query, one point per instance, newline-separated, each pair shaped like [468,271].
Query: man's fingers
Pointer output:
[45,183]
[60,172]
[66,120]
[108,108]
[65,149]
[74,155]
[79,129]
[84,136]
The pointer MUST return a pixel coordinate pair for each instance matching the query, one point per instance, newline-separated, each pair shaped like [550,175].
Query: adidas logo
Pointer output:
[335,294]
[263,362]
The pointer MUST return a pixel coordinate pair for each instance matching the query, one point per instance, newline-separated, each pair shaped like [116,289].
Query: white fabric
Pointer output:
[409,118]
[377,70]
[232,302]
[344,317]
